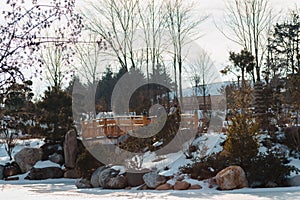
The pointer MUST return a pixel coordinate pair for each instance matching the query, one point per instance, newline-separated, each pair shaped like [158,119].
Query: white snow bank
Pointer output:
[46,163]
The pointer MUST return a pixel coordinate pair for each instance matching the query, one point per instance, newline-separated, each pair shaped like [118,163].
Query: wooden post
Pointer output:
[145,121]
[196,120]
[105,126]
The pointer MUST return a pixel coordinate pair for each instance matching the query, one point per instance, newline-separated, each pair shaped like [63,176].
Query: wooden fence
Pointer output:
[120,125]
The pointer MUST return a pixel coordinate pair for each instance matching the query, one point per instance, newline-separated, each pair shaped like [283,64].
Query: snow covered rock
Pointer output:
[153,179]
[108,178]
[56,158]
[232,177]
[95,176]
[70,149]
[45,173]
[27,157]
[111,179]
[83,183]
[1,172]
[181,185]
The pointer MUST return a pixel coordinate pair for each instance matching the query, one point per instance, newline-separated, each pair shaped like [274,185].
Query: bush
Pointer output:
[267,168]
[206,167]
[86,164]
[241,144]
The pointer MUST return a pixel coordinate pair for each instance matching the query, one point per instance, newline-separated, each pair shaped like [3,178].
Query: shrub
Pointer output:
[86,164]
[206,167]
[267,168]
[241,144]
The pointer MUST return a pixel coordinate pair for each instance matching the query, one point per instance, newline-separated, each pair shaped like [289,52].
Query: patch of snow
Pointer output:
[158,143]
[119,168]
[46,163]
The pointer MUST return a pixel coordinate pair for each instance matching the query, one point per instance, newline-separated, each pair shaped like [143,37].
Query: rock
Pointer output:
[45,173]
[83,183]
[72,173]
[181,185]
[294,181]
[57,158]
[95,176]
[232,177]
[110,179]
[135,179]
[1,172]
[11,170]
[195,187]
[153,179]
[27,157]
[166,186]
[271,184]
[70,149]
[118,182]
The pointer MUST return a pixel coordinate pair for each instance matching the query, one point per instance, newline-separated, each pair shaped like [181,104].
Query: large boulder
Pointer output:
[232,177]
[153,179]
[111,179]
[45,173]
[108,178]
[1,172]
[27,157]
[95,176]
[70,149]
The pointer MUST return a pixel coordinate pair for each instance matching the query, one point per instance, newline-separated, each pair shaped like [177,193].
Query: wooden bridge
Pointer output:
[120,125]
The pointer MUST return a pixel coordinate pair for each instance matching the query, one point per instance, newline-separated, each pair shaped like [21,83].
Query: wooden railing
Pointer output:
[120,125]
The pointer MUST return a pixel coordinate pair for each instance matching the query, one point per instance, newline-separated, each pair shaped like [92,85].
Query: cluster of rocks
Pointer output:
[232,177]
[109,178]
[27,158]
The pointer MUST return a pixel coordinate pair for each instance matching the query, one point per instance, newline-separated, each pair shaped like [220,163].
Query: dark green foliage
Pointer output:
[207,167]
[16,112]
[86,163]
[241,144]
[267,168]
[56,112]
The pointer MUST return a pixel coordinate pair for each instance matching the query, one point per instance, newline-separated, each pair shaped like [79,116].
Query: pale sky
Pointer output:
[212,40]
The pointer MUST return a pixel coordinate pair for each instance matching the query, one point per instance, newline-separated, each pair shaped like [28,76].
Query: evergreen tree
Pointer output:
[56,113]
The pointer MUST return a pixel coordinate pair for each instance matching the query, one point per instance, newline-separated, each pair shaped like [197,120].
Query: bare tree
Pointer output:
[56,61]
[250,22]
[88,58]
[152,21]
[183,28]
[21,34]
[116,22]
[202,72]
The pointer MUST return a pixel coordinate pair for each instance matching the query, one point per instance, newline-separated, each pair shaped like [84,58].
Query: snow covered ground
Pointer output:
[66,190]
